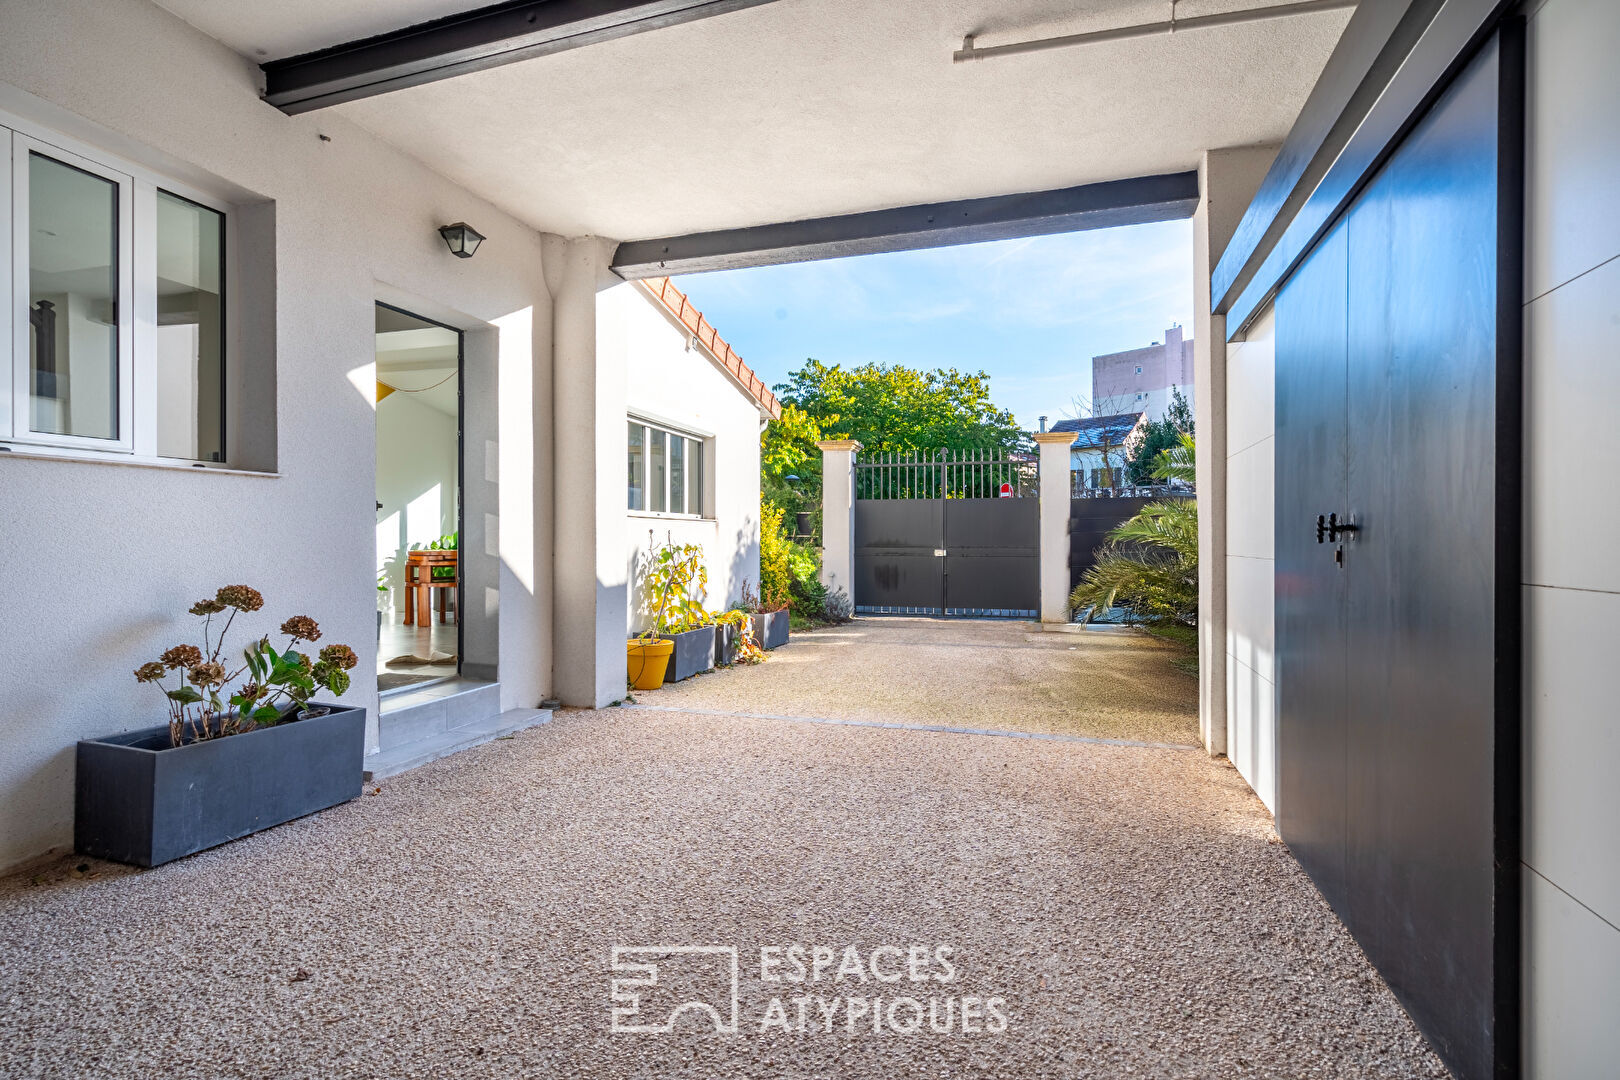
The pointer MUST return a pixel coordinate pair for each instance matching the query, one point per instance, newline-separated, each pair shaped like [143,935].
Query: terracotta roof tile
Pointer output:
[664,291]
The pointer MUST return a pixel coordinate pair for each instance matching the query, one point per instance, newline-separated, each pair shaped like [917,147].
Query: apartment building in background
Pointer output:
[1140,380]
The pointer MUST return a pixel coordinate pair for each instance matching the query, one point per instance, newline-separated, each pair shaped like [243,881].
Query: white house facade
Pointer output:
[692,442]
[1102,446]
[315,221]
[197,233]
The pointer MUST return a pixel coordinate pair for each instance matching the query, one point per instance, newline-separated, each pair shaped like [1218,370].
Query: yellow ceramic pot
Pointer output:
[646,662]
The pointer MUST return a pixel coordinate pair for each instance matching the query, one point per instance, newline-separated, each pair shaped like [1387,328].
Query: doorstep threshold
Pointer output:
[412,755]
[404,697]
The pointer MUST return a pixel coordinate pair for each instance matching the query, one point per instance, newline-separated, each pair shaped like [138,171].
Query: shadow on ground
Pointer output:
[963,673]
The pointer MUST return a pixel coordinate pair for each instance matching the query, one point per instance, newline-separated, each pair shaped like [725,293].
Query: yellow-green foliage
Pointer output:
[775,563]
[674,585]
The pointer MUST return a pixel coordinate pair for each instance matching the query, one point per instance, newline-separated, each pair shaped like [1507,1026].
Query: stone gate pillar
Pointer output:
[838,515]
[1055,524]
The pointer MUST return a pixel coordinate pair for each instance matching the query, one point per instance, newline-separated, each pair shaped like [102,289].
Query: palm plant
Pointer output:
[1149,567]
[1178,462]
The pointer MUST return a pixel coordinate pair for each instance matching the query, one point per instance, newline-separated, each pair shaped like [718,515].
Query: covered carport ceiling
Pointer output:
[808,108]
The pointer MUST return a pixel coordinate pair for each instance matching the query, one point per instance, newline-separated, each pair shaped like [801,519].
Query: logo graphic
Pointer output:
[664,981]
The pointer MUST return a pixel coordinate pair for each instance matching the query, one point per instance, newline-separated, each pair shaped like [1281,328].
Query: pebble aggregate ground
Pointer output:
[1131,906]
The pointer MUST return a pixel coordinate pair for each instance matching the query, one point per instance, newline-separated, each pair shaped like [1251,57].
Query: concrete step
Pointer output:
[391,762]
[412,715]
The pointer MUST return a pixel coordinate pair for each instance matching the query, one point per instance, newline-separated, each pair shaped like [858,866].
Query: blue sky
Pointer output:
[1031,312]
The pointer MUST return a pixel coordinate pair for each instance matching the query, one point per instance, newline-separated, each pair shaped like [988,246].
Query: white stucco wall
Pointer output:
[1251,681]
[1571,577]
[682,388]
[115,553]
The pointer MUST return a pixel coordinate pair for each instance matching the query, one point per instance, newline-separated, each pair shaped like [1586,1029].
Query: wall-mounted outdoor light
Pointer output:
[462,238]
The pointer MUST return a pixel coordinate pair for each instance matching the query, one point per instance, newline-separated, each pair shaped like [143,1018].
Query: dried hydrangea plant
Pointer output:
[276,679]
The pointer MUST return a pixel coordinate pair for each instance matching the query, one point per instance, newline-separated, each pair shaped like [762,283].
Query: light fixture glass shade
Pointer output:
[462,238]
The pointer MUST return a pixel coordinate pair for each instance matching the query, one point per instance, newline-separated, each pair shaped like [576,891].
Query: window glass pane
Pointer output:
[694,483]
[677,475]
[658,473]
[72,300]
[190,330]
[638,467]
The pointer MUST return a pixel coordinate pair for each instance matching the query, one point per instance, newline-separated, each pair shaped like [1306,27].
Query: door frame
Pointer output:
[461,487]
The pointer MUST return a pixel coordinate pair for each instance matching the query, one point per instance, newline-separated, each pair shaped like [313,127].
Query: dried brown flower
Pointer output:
[240,597]
[302,628]
[182,656]
[250,692]
[207,607]
[206,675]
[341,655]
[150,672]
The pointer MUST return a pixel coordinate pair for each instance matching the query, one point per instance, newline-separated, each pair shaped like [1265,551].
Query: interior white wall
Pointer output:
[1251,681]
[416,482]
[684,388]
[1572,580]
[117,553]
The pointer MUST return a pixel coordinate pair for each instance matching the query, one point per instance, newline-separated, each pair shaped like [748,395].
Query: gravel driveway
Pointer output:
[964,673]
[1129,906]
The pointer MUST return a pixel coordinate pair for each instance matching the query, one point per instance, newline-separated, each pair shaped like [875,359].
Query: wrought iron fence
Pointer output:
[946,474]
[1080,489]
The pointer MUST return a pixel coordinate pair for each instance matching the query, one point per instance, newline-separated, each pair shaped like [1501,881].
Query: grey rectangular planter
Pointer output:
[694,653]
[771,629]
[139,800]
[725,644]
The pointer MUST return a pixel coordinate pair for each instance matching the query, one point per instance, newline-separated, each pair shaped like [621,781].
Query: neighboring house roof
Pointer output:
[1097,431]
[664,291]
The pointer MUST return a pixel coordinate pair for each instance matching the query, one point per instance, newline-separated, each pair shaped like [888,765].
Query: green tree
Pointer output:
[886,407]
[893,407]
[1160,436]
[789,462]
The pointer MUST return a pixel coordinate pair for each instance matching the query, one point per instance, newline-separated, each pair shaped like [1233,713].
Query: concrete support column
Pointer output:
[1054,481]
[838,514]
[588,376]
[1227,180]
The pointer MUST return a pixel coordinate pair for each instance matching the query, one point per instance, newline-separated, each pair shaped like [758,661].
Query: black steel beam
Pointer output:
[471,41]
[970,221]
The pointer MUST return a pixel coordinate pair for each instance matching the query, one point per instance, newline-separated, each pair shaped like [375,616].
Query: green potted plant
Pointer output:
[770,606]
[228,762]
[674,585]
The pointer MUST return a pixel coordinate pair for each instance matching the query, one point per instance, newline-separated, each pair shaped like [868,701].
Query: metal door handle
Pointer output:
[1329,528]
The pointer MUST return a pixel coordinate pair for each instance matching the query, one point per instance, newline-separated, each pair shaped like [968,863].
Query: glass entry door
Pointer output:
[419,462]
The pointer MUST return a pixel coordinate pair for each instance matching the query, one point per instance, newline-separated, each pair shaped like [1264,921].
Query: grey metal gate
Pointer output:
[947,533]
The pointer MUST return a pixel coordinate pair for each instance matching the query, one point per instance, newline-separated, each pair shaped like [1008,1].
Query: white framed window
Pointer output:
[665,470]
[114,325]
